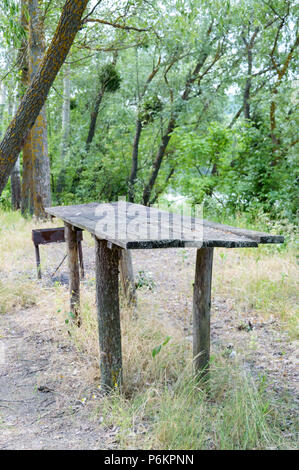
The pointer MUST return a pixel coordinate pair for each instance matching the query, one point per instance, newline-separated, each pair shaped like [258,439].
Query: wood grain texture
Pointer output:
[72,251]
[133,226]
[201,310]
[37,256]
[107,262]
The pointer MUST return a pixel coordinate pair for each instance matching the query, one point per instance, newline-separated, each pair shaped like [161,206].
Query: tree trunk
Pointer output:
[249,44]
[65,141]
[274,138]
[246,96]
[281,70]
[15,180]
[66,110]
[158,160]
[27,177]
[172,121]
[94,116]
[37,92]
[135,152]
[39,138]
[16,186]
[2,105]
[134,168]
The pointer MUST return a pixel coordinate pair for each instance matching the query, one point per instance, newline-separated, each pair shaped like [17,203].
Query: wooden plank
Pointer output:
[230,241]
[260,237]
[201,311]
[72,251]
[108,315]
[89,216]
[43,236]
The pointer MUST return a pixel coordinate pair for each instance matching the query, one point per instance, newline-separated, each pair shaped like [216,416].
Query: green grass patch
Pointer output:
[234,413]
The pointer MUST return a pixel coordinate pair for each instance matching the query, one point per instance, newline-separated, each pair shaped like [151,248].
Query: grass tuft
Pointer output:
[16,295]
[160,406]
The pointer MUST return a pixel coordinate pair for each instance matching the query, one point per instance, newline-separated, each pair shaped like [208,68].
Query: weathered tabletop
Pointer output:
[118,227]
[133,226]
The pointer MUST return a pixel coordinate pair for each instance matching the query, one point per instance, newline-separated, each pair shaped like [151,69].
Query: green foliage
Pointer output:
[5,199]
[231,167]
[10,26]
[201,156]
[257,177]
[109,78]
[144,279]
[238,169]
[152,106]
[157,349]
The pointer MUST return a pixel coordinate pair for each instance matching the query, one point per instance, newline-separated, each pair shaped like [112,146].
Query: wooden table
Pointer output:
[122,226]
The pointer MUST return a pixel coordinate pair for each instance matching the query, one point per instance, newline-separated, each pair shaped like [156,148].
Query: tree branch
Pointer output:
[115,25]
[92,11]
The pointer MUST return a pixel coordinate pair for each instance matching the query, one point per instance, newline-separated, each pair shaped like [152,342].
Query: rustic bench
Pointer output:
[122,226]
[44,236]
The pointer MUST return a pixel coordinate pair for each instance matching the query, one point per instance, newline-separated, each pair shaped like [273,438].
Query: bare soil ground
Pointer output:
[43,376]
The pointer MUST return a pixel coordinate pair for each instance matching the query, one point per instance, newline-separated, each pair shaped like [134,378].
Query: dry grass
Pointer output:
[262,282]
[16,295]
[160,406]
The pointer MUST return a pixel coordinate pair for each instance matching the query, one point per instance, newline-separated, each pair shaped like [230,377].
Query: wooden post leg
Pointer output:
[201,310]
[127,277]
[72,251]
[39,271]
[107,260]
[81,259]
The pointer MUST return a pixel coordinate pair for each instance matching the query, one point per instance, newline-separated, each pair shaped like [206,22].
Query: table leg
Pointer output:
[127,277]
[81,259]
[107,263]
[37,255]
[72,251]
[201,310]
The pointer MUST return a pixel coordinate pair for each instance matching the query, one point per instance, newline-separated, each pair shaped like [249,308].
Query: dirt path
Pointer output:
[41,383]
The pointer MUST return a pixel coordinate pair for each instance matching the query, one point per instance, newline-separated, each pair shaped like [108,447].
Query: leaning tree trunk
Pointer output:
[94,116]
[138,130]
[281,70]
[158,160]
[37,92]
[195,76]
[39,139]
